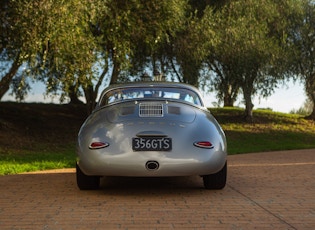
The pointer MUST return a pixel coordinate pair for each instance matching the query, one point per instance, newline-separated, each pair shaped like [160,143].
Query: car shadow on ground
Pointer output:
[192,182]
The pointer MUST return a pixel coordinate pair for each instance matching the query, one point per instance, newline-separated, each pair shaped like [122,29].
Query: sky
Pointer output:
[285,98]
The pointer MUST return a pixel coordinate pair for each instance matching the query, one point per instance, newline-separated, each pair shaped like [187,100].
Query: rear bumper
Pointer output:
[152,164]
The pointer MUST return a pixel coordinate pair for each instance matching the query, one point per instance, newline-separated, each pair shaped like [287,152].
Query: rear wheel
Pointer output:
[86,182]
[216,180]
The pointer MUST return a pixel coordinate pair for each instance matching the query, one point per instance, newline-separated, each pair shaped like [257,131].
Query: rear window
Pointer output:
[124,94]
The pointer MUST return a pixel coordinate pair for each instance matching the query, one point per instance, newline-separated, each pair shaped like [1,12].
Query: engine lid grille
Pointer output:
[151,109]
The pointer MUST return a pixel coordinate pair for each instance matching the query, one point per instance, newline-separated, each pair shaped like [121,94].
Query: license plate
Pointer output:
[151,144]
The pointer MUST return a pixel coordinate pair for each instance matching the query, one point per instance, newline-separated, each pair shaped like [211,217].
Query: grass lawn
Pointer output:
[42,136]
[270,131]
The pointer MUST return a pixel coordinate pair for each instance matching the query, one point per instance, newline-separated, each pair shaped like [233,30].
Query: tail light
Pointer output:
[98,145]
[203,144]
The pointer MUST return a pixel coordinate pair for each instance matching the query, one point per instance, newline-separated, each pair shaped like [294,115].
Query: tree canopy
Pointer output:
[302,41]
[77,46]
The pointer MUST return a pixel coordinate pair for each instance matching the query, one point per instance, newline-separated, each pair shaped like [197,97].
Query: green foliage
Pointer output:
[302,41]
[77,46]
[55,44]
[155,27]
[250,40]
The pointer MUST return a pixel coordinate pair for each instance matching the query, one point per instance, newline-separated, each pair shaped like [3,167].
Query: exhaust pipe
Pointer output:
[152,165]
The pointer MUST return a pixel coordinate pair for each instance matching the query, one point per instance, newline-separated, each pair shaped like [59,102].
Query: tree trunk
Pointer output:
[90,99]
[91,92]
[7,79]
[190,73]
[312,98]
[230,95]
[115,73]
[310,91]
[249,112]
[228,101]
[248,104]
[73,95]
[312,115]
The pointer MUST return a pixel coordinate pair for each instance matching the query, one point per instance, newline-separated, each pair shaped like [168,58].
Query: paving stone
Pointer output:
[273,190]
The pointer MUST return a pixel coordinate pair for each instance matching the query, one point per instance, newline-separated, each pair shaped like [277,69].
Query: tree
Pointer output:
[55,43]
[302,38]
[306,109]
[219,59]
[142,34]
[248,46]
[74,58]
[10,54]
[188,52]
[76,44]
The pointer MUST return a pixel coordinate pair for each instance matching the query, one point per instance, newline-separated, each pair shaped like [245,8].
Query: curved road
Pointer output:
[274,190]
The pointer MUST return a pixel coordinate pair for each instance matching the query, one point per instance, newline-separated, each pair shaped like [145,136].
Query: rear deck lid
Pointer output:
[151,110]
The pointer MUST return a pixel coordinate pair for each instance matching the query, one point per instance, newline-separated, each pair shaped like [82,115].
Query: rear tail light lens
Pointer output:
[98,145]
[203,144]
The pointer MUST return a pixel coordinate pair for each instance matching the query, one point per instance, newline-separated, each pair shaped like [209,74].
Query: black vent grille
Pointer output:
[150,109]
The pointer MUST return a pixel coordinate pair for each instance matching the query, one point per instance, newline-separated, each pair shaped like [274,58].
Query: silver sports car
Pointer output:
[151,129]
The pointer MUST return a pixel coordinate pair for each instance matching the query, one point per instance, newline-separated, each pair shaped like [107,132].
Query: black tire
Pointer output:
[85,182]
[216,180]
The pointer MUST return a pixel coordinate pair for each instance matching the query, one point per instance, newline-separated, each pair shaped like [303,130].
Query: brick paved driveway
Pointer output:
[273,190]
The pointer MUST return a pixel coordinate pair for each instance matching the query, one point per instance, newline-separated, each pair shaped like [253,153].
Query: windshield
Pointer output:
[122,94]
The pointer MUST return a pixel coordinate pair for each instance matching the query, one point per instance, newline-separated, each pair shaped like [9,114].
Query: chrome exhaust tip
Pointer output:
[152,165]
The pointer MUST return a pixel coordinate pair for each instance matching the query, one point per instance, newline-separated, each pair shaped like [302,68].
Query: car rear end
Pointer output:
[151,138]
